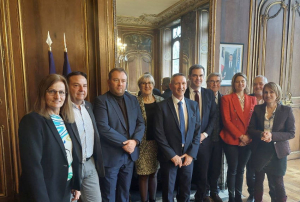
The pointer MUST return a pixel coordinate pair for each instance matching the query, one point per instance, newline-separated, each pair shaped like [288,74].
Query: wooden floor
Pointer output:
[291,182]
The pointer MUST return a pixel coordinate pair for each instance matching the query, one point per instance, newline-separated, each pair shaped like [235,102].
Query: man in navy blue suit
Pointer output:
[121,127]
[207,106]
[177,132]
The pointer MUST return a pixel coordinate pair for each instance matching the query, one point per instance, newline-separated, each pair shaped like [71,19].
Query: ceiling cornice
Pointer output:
[163,18]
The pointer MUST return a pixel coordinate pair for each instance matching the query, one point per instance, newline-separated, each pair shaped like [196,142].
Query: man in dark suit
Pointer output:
[177,132]
[207,107]
[229,68]
[121,127]
[215,162]
[92,162]
[165,87]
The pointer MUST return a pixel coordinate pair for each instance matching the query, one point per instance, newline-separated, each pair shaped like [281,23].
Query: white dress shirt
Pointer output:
[85,129]
[192,97]
[175,101]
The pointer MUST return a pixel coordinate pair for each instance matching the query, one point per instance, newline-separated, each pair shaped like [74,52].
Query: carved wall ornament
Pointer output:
[157,20]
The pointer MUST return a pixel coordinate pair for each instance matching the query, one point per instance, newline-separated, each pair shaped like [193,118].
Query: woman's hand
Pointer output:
[244,140]
[76,194]
[266,137]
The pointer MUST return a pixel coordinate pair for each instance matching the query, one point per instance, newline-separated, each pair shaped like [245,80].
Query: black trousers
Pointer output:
[276,185]
[237,158]
[169,173]
[207,168]
[215,164]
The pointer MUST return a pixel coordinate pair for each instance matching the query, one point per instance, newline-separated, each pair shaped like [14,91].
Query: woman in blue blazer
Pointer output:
[49,149]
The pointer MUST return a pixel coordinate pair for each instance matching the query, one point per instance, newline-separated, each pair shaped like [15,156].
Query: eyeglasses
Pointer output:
[215,82]
[146,83]
[54,92]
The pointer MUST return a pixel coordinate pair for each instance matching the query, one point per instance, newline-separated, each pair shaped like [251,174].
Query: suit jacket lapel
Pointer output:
[204,99]
[189,114]
[246,108]
[276,121]
[57,136]
[117,109]
[237,107]
[128,109]
[187,93]
[172,108]
[75,131]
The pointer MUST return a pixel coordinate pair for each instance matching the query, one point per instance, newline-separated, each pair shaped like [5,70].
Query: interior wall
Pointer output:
[141,54]
[89,29]
[267,28]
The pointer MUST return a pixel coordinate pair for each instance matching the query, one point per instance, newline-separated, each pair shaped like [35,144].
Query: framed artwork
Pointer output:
[231,61]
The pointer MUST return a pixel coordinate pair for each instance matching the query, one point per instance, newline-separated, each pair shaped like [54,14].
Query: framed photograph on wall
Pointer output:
[231,61]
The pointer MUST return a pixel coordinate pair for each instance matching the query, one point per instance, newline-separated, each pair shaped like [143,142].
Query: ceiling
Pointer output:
[152,13]
[136,8]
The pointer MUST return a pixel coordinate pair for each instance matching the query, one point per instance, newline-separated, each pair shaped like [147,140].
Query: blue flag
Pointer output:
[67,68]
[51,63]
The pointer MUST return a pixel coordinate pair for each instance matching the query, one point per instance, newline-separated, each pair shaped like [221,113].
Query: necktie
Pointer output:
[196,96]
[182,123]
[216,100]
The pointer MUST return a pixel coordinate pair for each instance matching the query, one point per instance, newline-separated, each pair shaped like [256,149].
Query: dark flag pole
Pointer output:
[50,56]
[66,68]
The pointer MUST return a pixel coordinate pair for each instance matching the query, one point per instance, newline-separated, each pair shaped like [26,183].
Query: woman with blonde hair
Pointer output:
[271,126]
[147,163]
[236,110]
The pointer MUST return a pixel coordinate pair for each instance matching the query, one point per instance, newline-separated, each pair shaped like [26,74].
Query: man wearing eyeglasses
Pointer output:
[213,83]
[121,127]
[207,108]
[92,162]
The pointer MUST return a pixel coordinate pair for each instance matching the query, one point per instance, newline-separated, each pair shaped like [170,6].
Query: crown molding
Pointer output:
[166,16]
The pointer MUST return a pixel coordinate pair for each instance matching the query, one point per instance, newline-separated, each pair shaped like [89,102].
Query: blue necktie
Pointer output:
[182,123]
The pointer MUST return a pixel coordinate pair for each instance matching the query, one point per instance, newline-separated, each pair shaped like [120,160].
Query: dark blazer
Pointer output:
[167,93]
[283,130]
[167,130]
[208,109]
[97,146]
[112,127]
[44,160]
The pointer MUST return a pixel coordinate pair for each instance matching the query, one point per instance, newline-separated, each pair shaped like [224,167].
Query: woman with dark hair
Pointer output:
[271,126]
[147,163]
[236,110]
[50,153]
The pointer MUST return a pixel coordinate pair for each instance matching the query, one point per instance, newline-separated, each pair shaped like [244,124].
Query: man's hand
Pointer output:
[202,137]
[177,161]
[188,159]
[76,194]
[129,146]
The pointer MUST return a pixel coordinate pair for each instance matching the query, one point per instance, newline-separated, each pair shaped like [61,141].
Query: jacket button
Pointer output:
[274,142]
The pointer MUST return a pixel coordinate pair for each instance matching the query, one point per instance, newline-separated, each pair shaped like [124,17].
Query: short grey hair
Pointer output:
[145,77]
[261,76]
[175,75]
[214,74]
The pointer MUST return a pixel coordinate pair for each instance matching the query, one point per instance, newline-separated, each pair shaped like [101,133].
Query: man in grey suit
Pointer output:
[92,162]
[121,127]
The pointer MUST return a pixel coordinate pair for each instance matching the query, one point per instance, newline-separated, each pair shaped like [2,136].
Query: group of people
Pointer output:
[70,149]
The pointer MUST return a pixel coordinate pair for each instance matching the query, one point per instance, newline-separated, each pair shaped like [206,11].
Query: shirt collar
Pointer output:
[75,106]
[192,90]
[175,100]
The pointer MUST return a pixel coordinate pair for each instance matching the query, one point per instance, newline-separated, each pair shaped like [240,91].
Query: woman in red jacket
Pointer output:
[237,109]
